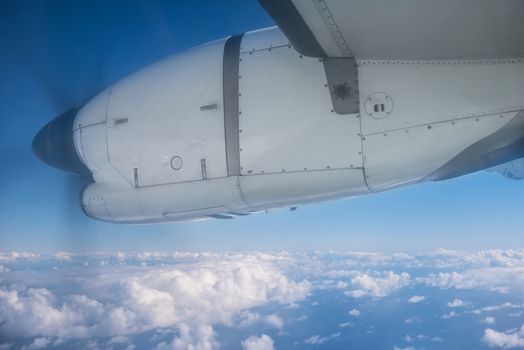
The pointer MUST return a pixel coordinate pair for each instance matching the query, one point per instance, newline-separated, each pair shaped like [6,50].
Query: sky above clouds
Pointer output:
[261,300]
[56,52]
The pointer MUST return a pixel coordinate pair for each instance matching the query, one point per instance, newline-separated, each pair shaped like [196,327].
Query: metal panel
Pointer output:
[406,156]
[403,29]
[230,78]
[288,189]
[504,145]
[287,120]
[287,17]
[425,92]
[342,77]
[263,39]
[170,202]
[163,106]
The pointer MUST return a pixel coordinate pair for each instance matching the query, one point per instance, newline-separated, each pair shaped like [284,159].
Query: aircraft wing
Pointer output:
[402,29]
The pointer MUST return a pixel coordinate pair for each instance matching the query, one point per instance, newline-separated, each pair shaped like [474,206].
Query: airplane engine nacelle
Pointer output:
[248,124]
[209,134]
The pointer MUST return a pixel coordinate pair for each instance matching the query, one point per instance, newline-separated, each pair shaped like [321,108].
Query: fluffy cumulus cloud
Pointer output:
[488,320]
[199,301]
[274,321]
[190,298]
[506,340]
[354,312]
[416,299]
[201,337]
[456,303]
[263,342]
[379,285]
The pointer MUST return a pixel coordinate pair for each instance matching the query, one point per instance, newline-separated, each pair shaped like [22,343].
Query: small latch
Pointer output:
[121,121]
[208,107]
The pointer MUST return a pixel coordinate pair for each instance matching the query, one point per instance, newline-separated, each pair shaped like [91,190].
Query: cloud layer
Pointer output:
[183,300]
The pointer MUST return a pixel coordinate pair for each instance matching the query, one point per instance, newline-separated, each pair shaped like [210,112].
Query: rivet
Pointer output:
[429,126]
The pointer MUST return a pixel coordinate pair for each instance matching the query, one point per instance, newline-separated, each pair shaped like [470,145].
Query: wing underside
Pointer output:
[402,29]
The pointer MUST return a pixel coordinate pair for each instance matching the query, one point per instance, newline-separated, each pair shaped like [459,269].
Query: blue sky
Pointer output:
[55,52]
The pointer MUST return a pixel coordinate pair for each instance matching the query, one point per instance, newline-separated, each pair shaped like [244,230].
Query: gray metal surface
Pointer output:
[231,109]
[290,21]
[501,147]
[404,29]
[342,77]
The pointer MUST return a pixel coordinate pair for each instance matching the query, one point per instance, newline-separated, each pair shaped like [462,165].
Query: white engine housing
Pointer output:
[247,124]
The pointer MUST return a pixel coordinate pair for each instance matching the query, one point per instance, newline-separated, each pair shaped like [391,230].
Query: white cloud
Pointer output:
[450,315]
[345,324]
[488,320]
[201,337]
[498,279]
[378,286]
[416,299]
[456,303]
[503,306]
[264,342]
[39,343]
[505,340]
[274,321]
[119,295]
[318,340]
[248,318]
[413,319]
[354,312]
[447,280]
[406,348]
[190,298]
